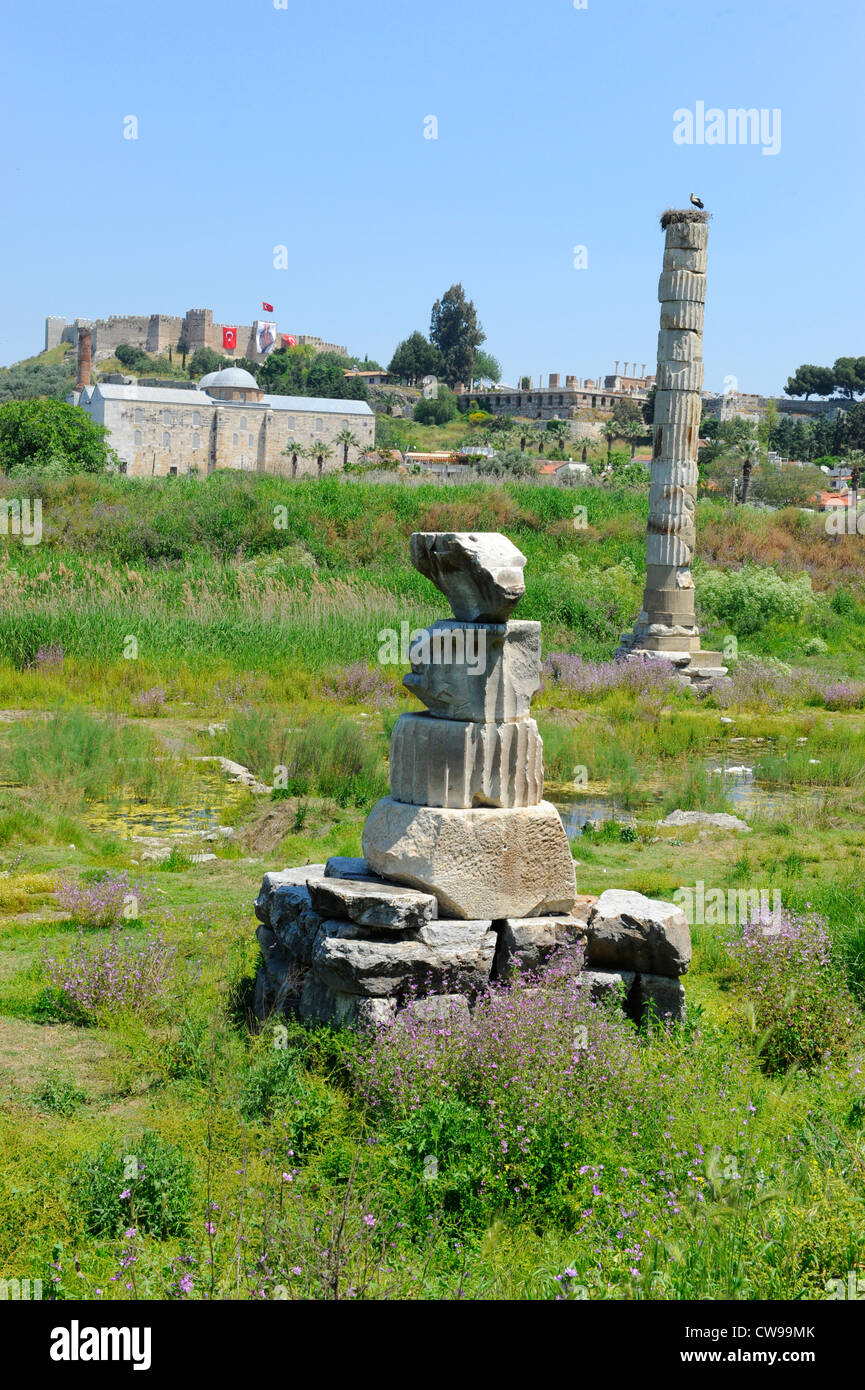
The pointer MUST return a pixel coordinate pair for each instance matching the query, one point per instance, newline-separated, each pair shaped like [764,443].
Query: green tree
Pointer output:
[456,332]
[326,377]
[27,381]
[849,374]
[414,358]
[560,430]
[810,380]
[849,432]
[767,429]
[205,360]
[486,367]
[52,436]
[626,411]
[134,358]
[348,440]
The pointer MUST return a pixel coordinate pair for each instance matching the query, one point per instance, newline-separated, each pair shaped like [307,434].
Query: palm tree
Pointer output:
[320,451]
[632,431]
[560,432]
[611,433]
[294,451]
[348,441]
[749,450]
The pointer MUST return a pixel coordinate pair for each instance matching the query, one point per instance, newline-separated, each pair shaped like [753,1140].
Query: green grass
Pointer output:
[237,625]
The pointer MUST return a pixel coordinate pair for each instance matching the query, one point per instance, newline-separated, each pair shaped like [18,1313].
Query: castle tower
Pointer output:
[667,625]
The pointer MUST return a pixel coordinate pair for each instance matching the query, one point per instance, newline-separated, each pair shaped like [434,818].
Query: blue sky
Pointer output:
[304,126]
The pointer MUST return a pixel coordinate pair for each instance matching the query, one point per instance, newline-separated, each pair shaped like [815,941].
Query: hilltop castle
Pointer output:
[158,332]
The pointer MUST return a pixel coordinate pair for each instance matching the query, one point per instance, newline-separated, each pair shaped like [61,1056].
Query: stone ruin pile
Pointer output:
[467,874]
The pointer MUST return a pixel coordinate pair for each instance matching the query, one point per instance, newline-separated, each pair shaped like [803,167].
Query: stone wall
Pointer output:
[156,438]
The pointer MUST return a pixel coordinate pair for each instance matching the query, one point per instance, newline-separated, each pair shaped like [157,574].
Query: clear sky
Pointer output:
[304,126]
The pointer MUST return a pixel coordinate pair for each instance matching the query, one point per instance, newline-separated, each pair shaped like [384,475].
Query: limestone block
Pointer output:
[680,376]
[686,258]
[628,931]
[448,762]
[526,943]
[460,958]
[609,984]
[479,863]
[720,819]
[278,879]
[671,406]
[389,907]
[680,472]
[687,234]
[451,1010]
[497,686]
[343,866]
[480,574]
[321,1004]
[683,313]
[294,921]
[279,978]
[681,284]
[677,442]
[679,345]
[658,994]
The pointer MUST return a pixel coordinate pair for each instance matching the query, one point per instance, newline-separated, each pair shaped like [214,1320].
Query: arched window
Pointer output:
[243,422]
[196,419]
[139,413]
[319,426]
[196,441]
[166,417]
[289,420]
[251,441]
[166,440]
[235,439]
[137,439]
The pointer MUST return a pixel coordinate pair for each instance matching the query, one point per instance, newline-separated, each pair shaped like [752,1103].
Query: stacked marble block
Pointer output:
[467,874]
[667,625]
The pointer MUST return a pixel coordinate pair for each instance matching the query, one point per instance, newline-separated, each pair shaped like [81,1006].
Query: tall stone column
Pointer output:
[667,626]
[85,348]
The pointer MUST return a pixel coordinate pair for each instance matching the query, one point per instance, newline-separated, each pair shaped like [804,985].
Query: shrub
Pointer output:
[568,671]
[58,1094]
[149,1186]
[750,597]
[107,977]
[801,1007]
[436,410]
[52,435]
[151,701]
[100,901]
[357,684]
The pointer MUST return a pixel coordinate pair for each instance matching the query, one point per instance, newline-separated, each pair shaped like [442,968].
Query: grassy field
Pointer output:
[160,626]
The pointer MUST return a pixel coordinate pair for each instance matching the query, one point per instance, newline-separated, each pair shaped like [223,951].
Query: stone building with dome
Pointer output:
[224,421]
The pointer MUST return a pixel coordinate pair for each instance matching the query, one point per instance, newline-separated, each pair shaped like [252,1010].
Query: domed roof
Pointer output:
[206,380]
[233,377]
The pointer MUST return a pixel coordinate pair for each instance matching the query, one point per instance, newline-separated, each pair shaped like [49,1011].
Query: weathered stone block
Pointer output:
[683,313]
[480,574]
[681,284]
[449,762]
[686,258]
[479,863]
[680,376]
[387,906]
[609,984]
[278,879]
[497,684]
[321,1004]
[526,943]
[342,866]
[628,931]
[658,994]
[454,957]
[694,235]
[679,345]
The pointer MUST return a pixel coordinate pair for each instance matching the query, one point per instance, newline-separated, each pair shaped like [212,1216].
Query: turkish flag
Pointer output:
[267,307]
[229,338]
[289,340]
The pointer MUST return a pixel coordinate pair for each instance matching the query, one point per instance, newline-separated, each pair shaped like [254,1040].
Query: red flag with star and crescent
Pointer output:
[288,340]
[229,338]
[268,308]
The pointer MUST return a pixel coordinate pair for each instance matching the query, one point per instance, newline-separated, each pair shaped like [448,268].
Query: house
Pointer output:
[372,378]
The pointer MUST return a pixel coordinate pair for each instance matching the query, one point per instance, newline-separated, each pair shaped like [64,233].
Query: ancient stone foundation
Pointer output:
[467,875]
